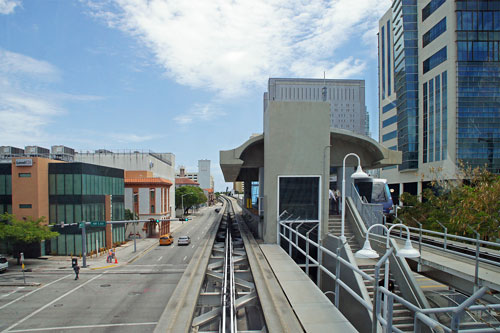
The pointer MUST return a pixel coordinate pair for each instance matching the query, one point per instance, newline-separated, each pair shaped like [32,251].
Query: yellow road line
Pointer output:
[434,286]
[104,267]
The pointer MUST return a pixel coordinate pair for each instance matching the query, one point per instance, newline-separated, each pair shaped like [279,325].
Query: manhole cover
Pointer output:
[134,293]
[105,285]
[57,305]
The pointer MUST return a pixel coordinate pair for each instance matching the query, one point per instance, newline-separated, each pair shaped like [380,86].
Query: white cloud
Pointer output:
[8,6]
[227,46]
[15,63]
[28,103]
[199,112]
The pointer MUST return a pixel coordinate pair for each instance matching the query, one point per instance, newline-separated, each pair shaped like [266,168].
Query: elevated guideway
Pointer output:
[240,285]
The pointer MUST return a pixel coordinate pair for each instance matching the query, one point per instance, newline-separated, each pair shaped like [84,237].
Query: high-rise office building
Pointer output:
[346,97]
[439,88]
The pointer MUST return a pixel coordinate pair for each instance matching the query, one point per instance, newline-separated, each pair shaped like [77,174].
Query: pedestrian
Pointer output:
[337,201]
[332,201]
[76,268]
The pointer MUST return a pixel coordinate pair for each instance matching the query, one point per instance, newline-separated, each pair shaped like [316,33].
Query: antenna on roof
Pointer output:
[323,94]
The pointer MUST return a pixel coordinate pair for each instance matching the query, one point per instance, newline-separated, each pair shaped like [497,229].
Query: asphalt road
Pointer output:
[129,298]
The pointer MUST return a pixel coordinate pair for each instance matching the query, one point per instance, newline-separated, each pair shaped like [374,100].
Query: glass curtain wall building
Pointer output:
[448,109]
[5,188]
[77,192]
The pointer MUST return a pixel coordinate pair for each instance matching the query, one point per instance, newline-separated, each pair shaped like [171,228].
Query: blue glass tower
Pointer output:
[406,80]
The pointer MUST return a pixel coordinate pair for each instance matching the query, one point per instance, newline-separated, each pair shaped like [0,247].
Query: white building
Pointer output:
[204,177]
[346,97]
[160,164]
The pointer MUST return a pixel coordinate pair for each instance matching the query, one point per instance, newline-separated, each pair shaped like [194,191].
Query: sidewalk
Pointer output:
[124,254]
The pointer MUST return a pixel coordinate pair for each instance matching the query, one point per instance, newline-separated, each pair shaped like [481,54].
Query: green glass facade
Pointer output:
[5,189]
[77,192]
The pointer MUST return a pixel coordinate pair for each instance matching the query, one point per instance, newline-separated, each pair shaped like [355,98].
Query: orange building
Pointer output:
[149,198]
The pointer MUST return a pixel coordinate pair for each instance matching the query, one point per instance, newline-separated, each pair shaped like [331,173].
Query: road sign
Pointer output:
[81,225]
[98,224]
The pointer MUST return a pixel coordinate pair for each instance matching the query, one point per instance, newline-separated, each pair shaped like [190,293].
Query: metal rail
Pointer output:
[228,299]
[422,316]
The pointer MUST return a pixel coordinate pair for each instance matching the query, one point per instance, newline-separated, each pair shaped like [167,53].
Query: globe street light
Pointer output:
[357,175]
[406,252]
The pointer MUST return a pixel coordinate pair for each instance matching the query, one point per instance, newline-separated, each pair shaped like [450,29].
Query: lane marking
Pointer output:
[193,246]
[161,257]
[12,292]
[83,326]
[49,304]
[184,258]
[434,286]
[34,291]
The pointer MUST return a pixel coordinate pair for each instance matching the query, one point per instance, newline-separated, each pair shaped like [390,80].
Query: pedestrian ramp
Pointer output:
[313,309]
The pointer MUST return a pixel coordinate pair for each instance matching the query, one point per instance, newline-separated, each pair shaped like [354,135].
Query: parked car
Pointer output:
[166,239]
[4,264]
[183,240]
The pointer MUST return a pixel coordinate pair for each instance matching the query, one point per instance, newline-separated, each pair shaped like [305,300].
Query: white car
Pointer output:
[183,240]
[4,264]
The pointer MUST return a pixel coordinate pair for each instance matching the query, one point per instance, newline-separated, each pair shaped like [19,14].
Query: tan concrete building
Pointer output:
[292,161]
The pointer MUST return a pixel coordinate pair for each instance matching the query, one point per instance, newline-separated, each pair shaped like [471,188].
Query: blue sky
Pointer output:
[177,76]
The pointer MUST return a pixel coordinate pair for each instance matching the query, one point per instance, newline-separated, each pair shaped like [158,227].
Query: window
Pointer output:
[389,136]
[434,32]
[299,196]
[68,184]
[24,205]
[431,8]
[388,107]
[434,60]
[60,184]
[390,121]
[25,175]
[152,209]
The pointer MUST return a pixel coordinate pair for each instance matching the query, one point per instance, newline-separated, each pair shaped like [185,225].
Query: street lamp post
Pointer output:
[357,175]
[182,202]
[406,252]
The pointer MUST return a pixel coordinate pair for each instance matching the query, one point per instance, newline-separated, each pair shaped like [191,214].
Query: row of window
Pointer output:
[390,121]
[5,208]
[389,107]
[300,93]
[478,21]
[74,213]
[389,136]
[431,7]
[478,4]
[434,32]
[478,51]
[434,60]
[435,116]
[82,184]
[5,185]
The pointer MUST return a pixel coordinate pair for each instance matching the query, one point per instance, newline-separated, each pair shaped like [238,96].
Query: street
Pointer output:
[127,298]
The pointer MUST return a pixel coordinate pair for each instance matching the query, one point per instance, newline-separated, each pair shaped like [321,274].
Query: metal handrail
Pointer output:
[422,316]
[475,242]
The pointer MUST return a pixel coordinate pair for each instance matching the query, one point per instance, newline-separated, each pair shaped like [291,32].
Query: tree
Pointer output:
[469,202]
[20,233]
[130,215]
[189,196]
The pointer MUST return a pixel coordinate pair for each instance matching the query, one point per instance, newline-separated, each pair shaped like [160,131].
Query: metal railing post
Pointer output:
[445,234]
[419,244]
[476,272]
[307,248]
[376,293]
[389,307]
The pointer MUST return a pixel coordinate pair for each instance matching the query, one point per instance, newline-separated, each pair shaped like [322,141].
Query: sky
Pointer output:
[178,76]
